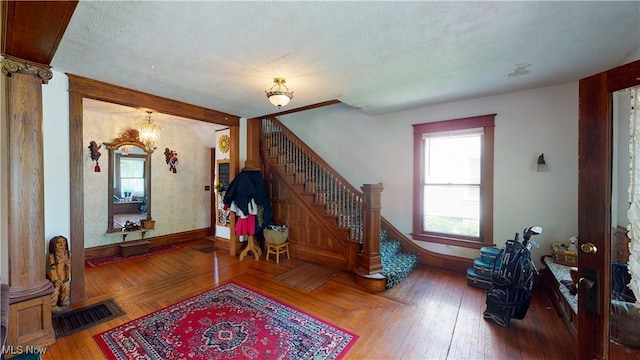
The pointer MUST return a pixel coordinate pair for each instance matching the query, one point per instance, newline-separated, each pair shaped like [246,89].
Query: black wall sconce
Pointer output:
[542,164]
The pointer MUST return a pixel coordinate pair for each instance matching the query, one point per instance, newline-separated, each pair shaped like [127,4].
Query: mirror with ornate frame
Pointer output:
[129,183]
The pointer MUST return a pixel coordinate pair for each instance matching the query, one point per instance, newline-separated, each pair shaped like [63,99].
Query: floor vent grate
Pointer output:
[69,322]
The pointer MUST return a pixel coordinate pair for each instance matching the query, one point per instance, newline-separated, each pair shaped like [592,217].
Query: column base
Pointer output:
[30,323]
[372,283]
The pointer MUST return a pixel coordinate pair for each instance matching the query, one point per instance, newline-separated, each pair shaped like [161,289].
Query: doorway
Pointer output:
[594,211]
[82,88]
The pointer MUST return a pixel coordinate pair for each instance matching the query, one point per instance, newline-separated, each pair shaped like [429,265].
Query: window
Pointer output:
[453,181]
[129,176]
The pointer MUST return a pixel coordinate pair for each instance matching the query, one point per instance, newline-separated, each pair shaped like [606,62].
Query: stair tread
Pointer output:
[397,263]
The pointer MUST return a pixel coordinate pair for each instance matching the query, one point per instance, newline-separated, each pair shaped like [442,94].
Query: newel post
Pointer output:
[370,263]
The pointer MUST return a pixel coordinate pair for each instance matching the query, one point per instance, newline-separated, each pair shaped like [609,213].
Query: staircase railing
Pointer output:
[353,209]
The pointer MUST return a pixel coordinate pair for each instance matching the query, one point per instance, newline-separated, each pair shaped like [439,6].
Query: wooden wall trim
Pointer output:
[303,108]
[76,201]
[430,258]
[98,252]
[594,196]
[119,95]
[33,29]
[80,88]
[234,169]
[594,204]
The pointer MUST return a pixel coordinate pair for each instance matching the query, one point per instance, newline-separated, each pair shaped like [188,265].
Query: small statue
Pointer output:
[59,272]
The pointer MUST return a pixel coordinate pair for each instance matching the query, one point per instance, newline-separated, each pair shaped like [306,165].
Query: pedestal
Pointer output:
[251,246]
[30,323]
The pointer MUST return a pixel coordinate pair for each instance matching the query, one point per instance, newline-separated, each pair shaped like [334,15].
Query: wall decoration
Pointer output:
[223,173]
[224,215]
[220,187]
[94,149]
[171,157]
[222,183]
[224,143]
[129,135]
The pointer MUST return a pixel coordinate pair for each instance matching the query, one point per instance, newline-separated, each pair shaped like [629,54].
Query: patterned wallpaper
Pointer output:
[179,201]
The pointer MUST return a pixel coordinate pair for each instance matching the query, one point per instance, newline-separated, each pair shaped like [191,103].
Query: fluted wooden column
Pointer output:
[27,254]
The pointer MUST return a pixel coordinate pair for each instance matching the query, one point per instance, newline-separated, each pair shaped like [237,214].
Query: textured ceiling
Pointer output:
[380,57]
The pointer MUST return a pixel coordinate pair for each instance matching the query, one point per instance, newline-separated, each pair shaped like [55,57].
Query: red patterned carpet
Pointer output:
[227,322]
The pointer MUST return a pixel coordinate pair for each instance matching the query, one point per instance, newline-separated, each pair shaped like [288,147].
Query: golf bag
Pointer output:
[512,277]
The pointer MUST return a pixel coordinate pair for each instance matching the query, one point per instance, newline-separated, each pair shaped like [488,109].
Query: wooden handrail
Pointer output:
[313,154]
[340,198]
[354,209]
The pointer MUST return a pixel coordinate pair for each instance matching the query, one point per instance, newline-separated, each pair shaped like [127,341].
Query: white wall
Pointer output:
[55,108]
[376,149]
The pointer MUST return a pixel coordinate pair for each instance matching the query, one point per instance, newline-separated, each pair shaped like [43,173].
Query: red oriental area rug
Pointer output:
[228,322]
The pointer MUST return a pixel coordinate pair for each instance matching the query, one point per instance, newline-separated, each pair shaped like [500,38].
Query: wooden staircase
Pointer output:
[330,222]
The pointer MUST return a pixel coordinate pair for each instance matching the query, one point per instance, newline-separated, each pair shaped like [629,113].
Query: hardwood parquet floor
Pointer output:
[433,314]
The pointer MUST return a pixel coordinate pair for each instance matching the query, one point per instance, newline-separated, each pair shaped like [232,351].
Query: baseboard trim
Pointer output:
[427,257]
[222,243]
[98,252]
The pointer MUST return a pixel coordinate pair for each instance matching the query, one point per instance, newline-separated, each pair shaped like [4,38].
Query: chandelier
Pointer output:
[149,132]
[279,94]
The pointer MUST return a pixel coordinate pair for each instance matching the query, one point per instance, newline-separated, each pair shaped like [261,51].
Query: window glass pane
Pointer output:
[133,186]
[452,209]
[132,176]
[452,159]
[454,163]
[131,167]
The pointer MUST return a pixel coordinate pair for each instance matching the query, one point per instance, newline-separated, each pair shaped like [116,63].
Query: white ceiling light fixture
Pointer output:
[149,132]
[279,94]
